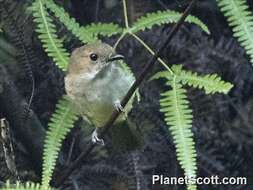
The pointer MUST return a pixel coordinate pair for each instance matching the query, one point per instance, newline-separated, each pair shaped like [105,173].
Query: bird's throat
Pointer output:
[105,71]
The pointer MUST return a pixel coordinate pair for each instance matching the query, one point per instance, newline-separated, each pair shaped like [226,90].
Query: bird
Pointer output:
[97,79]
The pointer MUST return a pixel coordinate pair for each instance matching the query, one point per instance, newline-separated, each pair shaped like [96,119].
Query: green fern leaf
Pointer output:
[47,34]
[240,19]
[211,83]
[60,124]
[70,23]
[87,34]
[26,186]
[162,17]
[178,117]
[103,29]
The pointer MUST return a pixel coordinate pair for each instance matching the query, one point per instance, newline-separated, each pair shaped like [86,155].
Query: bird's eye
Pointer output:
[93,57]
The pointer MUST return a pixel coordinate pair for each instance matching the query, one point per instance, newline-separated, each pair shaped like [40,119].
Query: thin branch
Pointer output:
[118,41]
[125,13]
[152,52]
[115,114]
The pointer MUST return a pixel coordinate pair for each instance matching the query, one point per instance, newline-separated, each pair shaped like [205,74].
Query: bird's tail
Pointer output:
[126,136]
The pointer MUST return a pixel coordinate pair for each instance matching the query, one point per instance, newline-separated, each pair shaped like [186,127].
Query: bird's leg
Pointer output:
[95,139]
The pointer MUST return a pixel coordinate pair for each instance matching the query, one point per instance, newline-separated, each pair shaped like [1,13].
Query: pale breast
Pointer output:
[95,98]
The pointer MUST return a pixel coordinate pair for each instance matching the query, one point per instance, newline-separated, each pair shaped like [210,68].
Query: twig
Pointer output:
[8,147]
[115,114]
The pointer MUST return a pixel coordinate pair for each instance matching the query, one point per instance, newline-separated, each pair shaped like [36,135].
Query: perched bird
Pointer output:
[96,81]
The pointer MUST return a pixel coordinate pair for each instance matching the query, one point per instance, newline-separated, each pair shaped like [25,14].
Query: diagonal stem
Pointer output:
[118,41]
[127,97]
[125,13]
[152,52]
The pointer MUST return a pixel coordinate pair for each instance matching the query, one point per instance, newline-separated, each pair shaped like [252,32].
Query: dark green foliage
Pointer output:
[240,19]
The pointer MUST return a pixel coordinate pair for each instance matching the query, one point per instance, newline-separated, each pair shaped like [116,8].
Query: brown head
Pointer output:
[90,59]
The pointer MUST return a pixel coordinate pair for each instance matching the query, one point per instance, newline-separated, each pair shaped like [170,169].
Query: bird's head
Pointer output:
[92,58]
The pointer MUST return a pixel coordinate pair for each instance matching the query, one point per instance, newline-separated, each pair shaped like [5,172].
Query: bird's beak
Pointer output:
[115,58]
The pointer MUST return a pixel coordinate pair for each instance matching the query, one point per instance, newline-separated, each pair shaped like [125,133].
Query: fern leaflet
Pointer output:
[178,117]
[61,122]
[162,17]
[26,186]
[241,20]
[70,23]
[47,34]
[211,83]
[85,34]
[103,29]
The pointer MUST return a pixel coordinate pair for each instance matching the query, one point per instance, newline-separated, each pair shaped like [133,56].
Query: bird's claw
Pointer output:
[95,139]
[118,106]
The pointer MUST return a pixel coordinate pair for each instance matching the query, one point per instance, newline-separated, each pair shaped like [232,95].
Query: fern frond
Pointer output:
[60,124]
[70,23]
[211,83]
[85,34]
[240,19]
[47,34]
[162,17]
[26,186]
[7,51]
[178,117]
[103,29]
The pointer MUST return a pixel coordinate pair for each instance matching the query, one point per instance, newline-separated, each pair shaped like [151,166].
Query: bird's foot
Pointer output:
[95,139]
[118,106]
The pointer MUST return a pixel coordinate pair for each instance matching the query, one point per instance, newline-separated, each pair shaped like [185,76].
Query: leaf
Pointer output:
[87,34]
[240,18]
[25,186]
[47,34]
[211,83]
[103,29]
[70,23]
[60,124]
[178,116]
[164,17]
